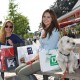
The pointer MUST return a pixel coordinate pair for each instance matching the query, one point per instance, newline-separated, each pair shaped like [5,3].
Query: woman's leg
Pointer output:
[19,67]
[29,69]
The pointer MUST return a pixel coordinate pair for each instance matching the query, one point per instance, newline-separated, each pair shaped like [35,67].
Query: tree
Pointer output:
[21,23]
[62,7]
[78,28]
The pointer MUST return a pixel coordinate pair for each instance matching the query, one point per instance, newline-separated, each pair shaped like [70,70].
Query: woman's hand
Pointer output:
[22,60]
[10,42]
[30,62]
[36,57]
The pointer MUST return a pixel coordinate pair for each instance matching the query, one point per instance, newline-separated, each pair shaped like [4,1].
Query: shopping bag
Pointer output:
[7,58]
[7,51]
[16,53]
[48,60]
[26,52]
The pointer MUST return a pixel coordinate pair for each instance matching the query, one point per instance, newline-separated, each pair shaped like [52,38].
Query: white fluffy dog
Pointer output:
[66,56]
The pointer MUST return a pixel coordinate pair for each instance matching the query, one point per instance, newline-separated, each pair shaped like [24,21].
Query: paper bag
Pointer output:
[5,53]
[26,52]
[48,60]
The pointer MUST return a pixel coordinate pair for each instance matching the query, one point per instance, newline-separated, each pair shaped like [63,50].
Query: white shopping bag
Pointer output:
[5,46]
[48,60]
[27,52]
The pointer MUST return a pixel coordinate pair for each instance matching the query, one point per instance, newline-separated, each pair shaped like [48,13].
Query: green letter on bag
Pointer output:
[53,60]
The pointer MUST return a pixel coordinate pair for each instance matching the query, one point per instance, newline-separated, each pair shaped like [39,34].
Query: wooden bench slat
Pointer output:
[76,75]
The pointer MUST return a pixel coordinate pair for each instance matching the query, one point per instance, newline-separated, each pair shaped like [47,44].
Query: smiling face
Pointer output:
[8,27]
[47,19]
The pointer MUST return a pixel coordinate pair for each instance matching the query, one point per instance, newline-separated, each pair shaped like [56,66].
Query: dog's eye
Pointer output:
[68,41]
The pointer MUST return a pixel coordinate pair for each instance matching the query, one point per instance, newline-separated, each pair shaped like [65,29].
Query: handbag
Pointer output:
[48,60]
[7,58]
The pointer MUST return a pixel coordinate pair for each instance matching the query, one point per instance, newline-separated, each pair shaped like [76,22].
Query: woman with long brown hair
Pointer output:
[48,41]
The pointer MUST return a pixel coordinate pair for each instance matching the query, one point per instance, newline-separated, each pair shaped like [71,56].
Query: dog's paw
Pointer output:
[63,70]
[71,71]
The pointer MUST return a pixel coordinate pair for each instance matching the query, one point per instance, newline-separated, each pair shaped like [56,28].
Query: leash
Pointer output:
[64,74]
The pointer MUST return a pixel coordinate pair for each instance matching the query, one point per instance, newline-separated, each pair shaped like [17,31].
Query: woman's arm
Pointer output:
[36,57]
[10,42]
[16,39]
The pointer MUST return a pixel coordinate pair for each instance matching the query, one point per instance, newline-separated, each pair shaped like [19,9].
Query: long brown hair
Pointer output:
[53,25]
[3,33]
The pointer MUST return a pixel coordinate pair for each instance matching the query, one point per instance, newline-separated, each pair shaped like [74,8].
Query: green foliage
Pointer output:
[62,7]
[21,23]
[78,27]
[12,9]
[29,35]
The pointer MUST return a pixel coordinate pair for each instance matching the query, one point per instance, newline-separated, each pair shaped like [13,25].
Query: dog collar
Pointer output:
[65,54]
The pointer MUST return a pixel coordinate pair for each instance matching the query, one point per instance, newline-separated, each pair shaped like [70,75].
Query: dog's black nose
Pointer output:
[73,43]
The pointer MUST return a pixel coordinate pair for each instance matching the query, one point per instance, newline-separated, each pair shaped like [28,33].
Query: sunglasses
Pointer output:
[8,26]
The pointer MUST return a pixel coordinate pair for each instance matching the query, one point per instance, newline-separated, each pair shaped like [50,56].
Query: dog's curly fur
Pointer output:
[66,54]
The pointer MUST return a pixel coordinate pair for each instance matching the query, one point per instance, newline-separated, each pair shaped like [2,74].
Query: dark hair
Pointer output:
[54,23]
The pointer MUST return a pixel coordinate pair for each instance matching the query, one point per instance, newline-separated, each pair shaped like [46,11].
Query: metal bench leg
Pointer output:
[45,77]
[2,75]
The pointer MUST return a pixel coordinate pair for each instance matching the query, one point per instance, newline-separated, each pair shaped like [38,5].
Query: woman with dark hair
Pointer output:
[48,41]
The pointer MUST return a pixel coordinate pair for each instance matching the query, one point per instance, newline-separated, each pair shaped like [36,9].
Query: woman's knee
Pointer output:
[16,70]
[21,72]
[29,69]
[19,67]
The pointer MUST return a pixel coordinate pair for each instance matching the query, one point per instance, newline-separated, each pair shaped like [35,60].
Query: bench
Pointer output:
[57,74]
